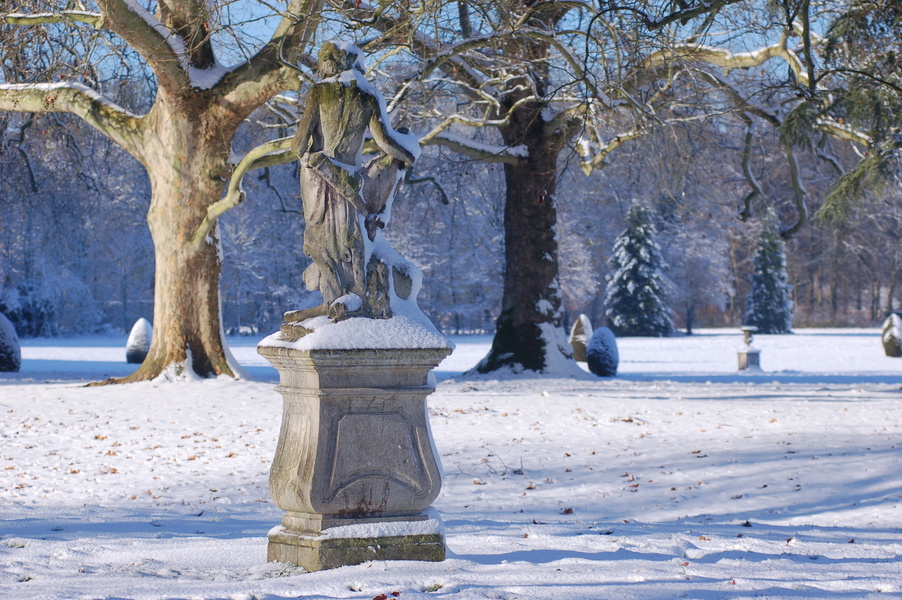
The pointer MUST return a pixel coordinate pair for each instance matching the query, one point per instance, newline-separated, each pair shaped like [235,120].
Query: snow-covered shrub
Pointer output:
[138,343]
[636,297]
[10,352]
[892,336]
[602,356]
[579,337]
[769,305]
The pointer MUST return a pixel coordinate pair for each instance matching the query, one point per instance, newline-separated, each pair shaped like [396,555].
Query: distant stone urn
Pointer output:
[892,336]
[579,337]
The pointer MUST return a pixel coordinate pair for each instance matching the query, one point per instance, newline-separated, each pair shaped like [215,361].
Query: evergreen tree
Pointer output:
[636,297]
[768,305]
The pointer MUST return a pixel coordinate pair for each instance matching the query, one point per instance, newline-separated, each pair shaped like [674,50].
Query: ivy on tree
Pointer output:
[636,297]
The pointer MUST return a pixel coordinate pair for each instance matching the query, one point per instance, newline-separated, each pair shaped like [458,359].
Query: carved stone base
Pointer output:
[749,359]
[355,466]
[315,553]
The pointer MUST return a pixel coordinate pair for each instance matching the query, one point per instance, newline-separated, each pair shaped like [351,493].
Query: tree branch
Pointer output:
[592,160]
[275,152]
[474,150]
[118,124]
[799,194]
[95,20]
[746,211]
[273,68]
[143,32]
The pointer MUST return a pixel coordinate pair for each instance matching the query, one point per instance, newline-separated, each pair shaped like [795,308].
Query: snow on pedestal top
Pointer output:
[398,332]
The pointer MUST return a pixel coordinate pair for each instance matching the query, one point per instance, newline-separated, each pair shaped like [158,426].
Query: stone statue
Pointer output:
[345,201]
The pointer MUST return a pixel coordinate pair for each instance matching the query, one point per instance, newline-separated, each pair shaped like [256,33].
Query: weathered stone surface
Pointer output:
[354,448]
[10,350]
[580,334]
[317,554]
[346,205]
[892,336]
[602,356]
[138,343]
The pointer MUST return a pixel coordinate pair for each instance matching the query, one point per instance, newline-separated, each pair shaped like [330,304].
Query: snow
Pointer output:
[520,150]
[201,79]
[356,76]
[432,525]
[69,85]
[399,332]
[140,336]
[679,478]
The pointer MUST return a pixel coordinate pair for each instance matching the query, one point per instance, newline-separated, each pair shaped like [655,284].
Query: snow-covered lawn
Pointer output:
[678,479]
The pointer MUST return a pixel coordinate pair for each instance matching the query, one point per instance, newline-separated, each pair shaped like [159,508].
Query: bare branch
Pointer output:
[118,124]
[745,212]
[143,32]
[593,158]
[687,12]
[799,194]
[275,152]
[475,150]
[273,68]
[411,180]
[95,20]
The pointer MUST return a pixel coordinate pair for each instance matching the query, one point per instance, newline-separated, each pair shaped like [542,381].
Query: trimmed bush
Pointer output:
[602,356]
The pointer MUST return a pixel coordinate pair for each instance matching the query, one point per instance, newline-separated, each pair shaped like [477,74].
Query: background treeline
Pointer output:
[76,254]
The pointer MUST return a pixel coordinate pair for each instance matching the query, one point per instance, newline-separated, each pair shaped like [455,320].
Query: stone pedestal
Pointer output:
[355,466]
[749,357]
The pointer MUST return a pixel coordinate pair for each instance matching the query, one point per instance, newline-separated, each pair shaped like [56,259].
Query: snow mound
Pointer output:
[138,343]
[579,337]
[892,336]
[10,351]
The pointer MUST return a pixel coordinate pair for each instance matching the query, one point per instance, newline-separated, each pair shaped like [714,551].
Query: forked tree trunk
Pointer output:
[526,331]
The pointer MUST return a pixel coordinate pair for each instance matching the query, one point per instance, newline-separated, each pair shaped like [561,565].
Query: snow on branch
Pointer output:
[162,50]
[277,64]
[594,153]
[107,117]
[843,132]
[729,60]
[476,150]
[95,20]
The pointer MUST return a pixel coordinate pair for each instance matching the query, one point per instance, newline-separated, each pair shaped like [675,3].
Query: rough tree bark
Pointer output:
[184,142]
[531,299]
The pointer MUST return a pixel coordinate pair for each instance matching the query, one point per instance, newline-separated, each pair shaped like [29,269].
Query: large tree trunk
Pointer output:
[528,334]
[187,167]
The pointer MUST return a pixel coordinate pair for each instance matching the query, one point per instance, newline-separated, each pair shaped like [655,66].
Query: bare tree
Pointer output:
[183,138]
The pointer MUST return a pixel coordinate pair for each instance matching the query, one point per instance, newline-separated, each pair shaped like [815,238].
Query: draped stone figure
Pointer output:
[344,200]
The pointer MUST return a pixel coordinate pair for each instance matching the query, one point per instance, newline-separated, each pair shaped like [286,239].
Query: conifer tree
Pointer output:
[768,305]
[636,297]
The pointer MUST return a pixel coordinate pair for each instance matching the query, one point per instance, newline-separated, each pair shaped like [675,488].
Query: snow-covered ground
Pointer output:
[680,478]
